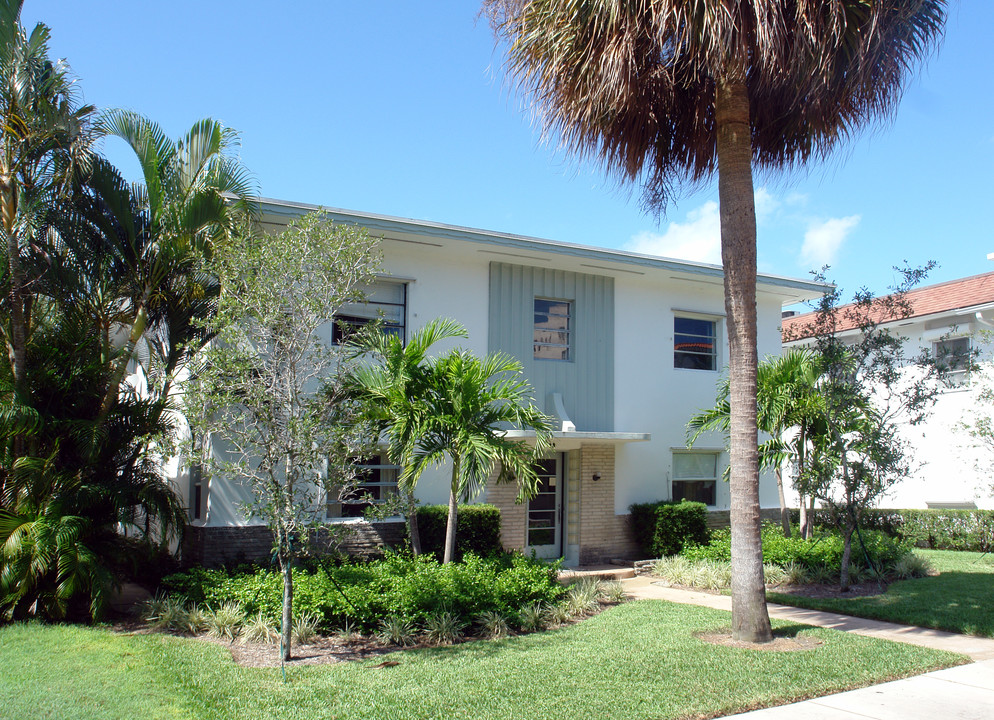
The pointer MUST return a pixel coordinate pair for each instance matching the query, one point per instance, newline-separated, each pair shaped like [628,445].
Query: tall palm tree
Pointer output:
[456,407]
[46,137]
[669,90]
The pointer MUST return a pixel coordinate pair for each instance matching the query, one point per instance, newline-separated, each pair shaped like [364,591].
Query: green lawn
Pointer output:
[637,660]
[958,599]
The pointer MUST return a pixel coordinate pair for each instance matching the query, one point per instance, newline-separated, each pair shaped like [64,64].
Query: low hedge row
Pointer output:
[937,529]
[365,594]
[477,530]
[665,528]
[825,550]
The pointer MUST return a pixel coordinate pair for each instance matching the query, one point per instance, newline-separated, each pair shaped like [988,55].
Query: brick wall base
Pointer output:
[218,546]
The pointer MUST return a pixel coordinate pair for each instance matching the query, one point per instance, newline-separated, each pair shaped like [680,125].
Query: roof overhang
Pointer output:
[790,290]
[562,441]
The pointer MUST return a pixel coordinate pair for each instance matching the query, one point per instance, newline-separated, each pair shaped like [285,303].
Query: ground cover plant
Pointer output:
[957,599]
[60,671]
[364,595]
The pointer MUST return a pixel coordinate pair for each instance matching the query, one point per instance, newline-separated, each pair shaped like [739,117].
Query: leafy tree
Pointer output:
[269,391]
[455,408]
[673,90]
[867,387]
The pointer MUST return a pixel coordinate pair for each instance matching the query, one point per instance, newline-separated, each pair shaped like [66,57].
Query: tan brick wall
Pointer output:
[604,536]
[513,516]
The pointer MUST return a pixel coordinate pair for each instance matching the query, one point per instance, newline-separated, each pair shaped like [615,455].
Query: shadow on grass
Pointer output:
[955,601]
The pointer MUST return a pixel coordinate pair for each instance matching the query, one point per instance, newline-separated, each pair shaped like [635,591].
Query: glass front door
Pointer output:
[545,527]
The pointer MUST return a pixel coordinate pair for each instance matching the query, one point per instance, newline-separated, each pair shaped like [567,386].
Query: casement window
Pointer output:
[376,482]
[386,301]
[553,335]
[695,476]
[953,357]
[695,343]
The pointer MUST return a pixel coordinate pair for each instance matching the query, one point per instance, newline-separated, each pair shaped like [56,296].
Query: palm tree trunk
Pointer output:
[784,512]
[450,525]
[119,371]
[412,524]
[750,619]
[18,345]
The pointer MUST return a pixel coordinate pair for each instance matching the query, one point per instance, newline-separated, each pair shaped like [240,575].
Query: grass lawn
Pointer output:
[958,599]
[637,660]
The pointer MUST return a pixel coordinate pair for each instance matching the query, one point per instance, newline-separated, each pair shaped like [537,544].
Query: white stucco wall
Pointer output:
[943,462]
[449,277]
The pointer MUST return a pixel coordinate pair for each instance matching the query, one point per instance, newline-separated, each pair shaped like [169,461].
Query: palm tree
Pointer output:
[196,193]
[390,389]
[456,407]
[790,409]
[669,90]
[45,140]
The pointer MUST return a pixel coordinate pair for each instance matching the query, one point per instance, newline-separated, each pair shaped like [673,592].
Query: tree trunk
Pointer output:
[750,619]
[784,512]
[121,368]
[412,525]
[450,525]
[18,344]
[803,516]
[286,628]
[846,554]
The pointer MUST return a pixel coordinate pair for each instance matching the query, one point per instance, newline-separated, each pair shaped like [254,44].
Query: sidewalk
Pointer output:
[959,693]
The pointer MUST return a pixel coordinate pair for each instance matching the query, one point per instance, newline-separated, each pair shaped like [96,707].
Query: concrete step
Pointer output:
[601,572]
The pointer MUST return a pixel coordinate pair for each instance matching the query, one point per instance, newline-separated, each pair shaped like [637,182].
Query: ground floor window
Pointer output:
[376,483]
[695,476]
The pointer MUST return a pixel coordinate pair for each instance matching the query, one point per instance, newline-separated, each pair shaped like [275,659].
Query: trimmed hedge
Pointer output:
[822,551]
[665,528]
[477,530]
[365,594]
[936,529]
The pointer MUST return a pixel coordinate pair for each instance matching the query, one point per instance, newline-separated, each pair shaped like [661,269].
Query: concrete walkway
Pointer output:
[959,693]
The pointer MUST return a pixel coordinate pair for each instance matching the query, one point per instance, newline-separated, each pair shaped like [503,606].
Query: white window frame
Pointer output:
[715,354]
[716,454]
[358,314]
[958,375]
[569,331]
[376,463]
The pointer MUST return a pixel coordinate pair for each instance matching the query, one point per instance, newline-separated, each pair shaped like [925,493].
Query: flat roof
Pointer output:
[386,223]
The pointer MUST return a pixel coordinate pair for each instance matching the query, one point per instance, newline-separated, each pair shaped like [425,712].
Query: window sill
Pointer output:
[359,520]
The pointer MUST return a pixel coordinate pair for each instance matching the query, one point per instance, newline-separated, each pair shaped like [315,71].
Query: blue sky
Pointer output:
[401,108]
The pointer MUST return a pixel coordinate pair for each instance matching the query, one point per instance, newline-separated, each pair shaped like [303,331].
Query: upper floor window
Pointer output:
[376,483]
[953,357]
[694,343]
[386,300]
[695,476]
[553,329]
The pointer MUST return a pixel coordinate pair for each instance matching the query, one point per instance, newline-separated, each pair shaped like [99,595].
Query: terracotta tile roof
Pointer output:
[929,300]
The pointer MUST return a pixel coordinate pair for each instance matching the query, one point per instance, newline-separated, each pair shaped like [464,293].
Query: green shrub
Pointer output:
[477,530]
[825,550]
[366,594]
[665,528]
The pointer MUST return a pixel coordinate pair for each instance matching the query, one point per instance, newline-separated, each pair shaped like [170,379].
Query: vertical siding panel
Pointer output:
[587,381]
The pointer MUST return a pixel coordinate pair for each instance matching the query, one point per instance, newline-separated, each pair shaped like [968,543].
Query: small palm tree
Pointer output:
[789,404]
[456,407]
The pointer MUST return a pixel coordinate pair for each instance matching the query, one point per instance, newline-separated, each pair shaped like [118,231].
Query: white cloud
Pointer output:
[823,240]
[766,204]
[698,239]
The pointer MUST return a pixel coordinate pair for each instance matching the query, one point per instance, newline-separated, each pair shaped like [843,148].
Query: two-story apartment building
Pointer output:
[620,348]
[954,322]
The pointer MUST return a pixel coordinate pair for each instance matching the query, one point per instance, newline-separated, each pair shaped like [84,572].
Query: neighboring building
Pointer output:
[621,349]
[953,321]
